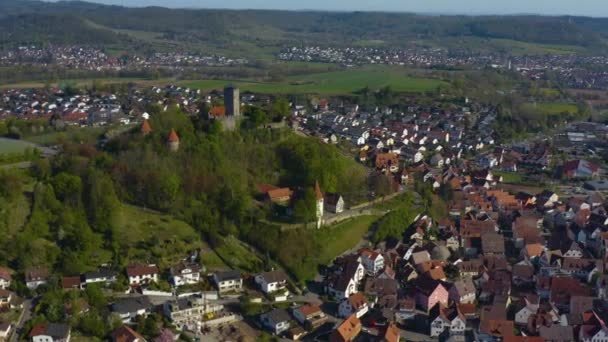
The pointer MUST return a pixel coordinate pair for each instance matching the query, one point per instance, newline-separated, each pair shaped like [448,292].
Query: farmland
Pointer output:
[332,83]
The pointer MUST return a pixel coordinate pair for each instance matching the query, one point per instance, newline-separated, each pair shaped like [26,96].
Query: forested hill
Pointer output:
[283,27]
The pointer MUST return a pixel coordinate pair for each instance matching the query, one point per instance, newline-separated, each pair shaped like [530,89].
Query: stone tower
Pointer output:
[232,101]
[173,141]
[145,127]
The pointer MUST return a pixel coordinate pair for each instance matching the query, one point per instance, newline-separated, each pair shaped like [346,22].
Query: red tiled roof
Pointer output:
[173,137]
[139,270]
[145,127]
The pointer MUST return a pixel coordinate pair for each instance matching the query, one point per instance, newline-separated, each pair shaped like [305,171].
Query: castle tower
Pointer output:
[145,127]
[320,204]
[232,100]
[173,141]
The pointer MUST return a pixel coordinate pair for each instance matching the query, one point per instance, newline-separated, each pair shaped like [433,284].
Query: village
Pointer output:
[517,252]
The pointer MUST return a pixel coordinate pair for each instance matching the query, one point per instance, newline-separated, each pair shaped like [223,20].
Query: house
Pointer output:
[50,332]
[228,281]
[593,333]
[102,275]
[372,261]
[429,292]
[7,299]
[580,169]
[126,334]
[347,331]
[356,304]
[272,281]
[185,273]
[492,244]
[6,276]
[184,312]
[557,333]
[582,268]
[392,333]
[6,328]
[348,280]
[129,308]
[463,291]
[142,274]
[563,288]
[35,277]
[442,318]
[527,308]
[276,321]
[310,316]
[495,330]
[71,283]
[387,162]
[334,203]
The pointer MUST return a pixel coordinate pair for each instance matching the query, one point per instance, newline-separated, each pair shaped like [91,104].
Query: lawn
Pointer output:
[510,177]
[332,83]
[13,146]
[343,236]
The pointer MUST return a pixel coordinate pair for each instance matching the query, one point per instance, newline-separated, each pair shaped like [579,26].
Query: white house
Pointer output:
[372,261]
[142,274]
[450,319]
[348,281]
[50,332]
[334,203]
[354,304]
[5,330]
[272,281]
[463,291]
[277,321]
[6,276]
[35,277]
[185,273]
[228,281]
[102,275]
[129,308]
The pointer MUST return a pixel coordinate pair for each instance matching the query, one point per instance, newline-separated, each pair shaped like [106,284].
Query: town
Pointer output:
[513,252]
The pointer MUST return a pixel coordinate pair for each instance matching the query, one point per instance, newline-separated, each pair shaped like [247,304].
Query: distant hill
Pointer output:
[276,28]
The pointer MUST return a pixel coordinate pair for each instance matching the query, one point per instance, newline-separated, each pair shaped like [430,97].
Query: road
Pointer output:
[26,315]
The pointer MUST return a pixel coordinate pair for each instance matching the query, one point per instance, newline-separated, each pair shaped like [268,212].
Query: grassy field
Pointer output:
[509,177]
[238,256]
[13,146]
[343,236]
[331,83]
[548,108]
[149,236]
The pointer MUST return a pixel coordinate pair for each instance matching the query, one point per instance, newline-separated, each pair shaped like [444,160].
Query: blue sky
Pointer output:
[547,7]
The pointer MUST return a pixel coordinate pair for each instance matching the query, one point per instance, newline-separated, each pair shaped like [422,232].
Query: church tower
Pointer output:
[320,204]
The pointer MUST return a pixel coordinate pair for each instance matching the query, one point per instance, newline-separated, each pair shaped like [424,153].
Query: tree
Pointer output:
[279,109]
[305,209]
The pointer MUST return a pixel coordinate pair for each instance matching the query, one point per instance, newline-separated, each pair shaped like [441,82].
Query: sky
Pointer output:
[596,8]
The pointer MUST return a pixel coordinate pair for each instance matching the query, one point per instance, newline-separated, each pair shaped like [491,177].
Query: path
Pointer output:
[26,315]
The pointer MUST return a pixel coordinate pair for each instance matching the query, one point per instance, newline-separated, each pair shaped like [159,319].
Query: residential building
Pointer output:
[334,203]
[372,261]
[50,332]
[35,277]
[228,281]
[186,312]
[142,274]
[129,308]
[272,281]
[126,334]
[185,273]
[6,277]
[101,275]
[355,304]
[310,316]
[347,331]
[276,321]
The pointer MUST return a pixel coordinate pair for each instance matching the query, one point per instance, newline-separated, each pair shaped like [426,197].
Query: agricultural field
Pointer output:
[332,83]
